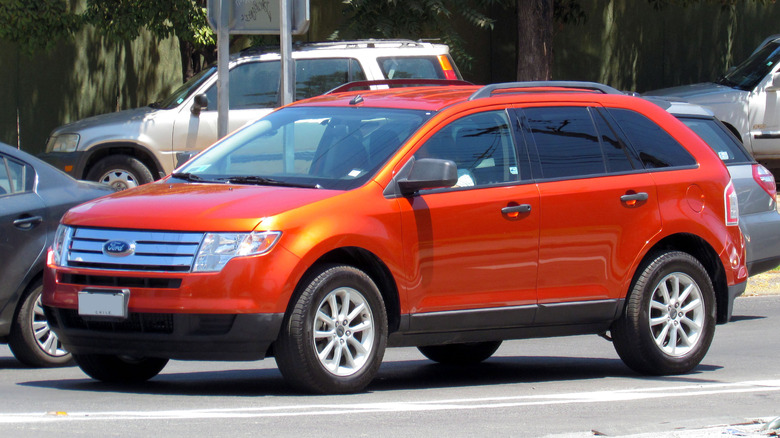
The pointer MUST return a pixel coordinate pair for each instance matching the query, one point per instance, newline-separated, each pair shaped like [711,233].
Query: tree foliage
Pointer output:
[37,24]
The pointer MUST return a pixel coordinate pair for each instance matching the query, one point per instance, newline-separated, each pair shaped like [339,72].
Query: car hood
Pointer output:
[706,93]
[116,119]
[192,207]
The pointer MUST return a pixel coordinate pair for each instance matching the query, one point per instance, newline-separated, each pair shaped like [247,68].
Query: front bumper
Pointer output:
[68,162]
[169,335]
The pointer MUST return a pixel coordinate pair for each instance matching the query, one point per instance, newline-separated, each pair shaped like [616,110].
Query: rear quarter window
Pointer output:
[721,141]
[423,67]
[656,148]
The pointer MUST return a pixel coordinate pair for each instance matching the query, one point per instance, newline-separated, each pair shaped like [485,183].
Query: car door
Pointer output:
[471,249]
[22,230]
[597,209]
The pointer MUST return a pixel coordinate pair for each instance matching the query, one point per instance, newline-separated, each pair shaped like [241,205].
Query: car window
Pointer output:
[15,177]
[566,141]
[252,85]
[426,67]
[723,143]
[317,76]
[480,145]
[656,148]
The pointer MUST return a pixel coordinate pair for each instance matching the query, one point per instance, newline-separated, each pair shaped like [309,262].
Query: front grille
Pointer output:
[121,282]
[155,251]
[135,323]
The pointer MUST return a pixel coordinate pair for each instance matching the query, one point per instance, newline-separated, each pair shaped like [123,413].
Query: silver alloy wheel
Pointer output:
[343,331]
[677,314]
[46,339]
[119,179]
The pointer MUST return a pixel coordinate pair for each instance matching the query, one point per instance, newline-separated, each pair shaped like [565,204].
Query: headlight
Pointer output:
[58,247]
[218,248]
[63,143]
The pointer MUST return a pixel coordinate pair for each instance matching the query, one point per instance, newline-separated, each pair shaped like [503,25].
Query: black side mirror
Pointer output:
[200,102]
[429,173]
[183,157]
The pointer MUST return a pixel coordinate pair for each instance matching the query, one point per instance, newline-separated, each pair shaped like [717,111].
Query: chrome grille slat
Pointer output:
[157,251]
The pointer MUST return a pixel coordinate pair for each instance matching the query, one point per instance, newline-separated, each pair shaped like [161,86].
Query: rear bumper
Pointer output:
[762,240]
[169,335]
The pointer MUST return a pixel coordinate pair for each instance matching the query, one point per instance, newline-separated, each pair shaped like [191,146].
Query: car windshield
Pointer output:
[183,92]
[748,74]
[325,147]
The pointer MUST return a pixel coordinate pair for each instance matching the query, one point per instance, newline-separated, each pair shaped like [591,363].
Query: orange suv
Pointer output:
[449,218]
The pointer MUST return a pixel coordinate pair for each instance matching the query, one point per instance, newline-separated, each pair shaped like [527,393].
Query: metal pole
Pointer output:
[223,59]
[285,39]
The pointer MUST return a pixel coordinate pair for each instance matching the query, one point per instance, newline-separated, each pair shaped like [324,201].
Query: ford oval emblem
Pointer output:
[118,248]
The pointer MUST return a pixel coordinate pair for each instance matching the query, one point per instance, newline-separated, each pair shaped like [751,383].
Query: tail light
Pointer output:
[765,179]
[446,65]
[732,206]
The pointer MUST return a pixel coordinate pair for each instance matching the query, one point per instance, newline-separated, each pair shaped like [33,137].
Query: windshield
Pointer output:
[748,74]
[183,92]
[328,147]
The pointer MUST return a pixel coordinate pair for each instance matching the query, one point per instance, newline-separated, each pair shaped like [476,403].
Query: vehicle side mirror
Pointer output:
[200,102]
[183,157]
[775,82]
[429,173]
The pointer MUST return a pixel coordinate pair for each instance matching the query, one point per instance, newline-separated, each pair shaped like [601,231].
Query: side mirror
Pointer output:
[429,173]
[775,82]
[183,157]
[200,102]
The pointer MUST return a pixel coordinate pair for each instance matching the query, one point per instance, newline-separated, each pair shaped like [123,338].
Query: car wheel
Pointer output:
[121,172]
[669,319]
[119,369]
[334,335]
[460,354]
[31,339]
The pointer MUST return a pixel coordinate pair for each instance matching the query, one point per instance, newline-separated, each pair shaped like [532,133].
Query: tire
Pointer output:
[121,172]
[460,354]
[119,369]
[31,339]
[326,345]
[669,319]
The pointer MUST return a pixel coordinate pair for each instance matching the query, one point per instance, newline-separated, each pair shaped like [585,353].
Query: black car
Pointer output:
[33,198]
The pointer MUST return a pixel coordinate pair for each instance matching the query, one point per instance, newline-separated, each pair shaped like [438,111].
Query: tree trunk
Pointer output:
[534,39]
[194,60]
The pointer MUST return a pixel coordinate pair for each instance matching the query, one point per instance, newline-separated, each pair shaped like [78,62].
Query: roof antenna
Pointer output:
[356,100]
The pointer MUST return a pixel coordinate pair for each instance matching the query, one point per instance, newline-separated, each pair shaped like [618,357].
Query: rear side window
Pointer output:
[15,177]
[715,135]
[317,76]
[424,67]
[575,141]
[656,148]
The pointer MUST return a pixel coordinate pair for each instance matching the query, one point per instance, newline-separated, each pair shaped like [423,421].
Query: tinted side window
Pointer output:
[617,156]
[566,141]
[316,76]
[656,148]
[722,142]
[480,145]
[426,67]
[252,85]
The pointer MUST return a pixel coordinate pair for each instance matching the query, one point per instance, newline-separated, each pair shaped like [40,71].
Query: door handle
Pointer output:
[632,199]
[514,211]
[26,223]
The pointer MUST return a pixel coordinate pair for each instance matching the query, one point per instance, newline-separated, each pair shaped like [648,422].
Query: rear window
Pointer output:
[422,67]
[715,135]
[656,148]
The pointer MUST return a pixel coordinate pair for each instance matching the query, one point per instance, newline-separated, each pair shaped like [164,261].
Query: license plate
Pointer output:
[104,303]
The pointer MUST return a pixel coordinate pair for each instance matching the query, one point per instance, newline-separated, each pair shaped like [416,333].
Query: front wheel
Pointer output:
[121,172]
[334,335]
[119,369]
[31,339]
[460,354]
[669,320]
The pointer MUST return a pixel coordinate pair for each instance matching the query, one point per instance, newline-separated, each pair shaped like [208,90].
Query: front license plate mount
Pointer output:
[104,303]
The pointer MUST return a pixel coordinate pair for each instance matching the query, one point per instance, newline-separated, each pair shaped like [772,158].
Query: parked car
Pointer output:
[132,147]
[746,100]
[33,198]
[754,184]
[447,218]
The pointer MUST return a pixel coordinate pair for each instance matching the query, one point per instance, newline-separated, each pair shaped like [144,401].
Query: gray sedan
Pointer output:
[33,198]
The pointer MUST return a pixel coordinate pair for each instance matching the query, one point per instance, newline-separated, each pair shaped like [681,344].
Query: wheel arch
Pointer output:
[367,262]
[134,150]
[702,251]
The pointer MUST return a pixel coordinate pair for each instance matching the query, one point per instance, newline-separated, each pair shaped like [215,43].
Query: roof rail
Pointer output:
[302,45]
[397,83]
[488,90]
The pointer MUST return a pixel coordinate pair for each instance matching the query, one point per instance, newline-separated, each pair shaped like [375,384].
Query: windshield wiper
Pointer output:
[155,105]
[191,177]
[262,181]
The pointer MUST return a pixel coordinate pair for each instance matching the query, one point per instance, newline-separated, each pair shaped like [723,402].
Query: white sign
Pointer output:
[260,17]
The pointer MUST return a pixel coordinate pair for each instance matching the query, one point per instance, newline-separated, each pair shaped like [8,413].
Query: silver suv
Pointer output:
[133,147]
[746,99]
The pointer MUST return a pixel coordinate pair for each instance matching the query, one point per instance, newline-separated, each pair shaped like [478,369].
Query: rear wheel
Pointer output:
[460,354]
[31,340]
[121,172]
[334,336]
[119,369]
[669,320]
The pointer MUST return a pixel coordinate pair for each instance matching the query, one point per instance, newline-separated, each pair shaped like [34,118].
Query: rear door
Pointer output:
[598,208]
